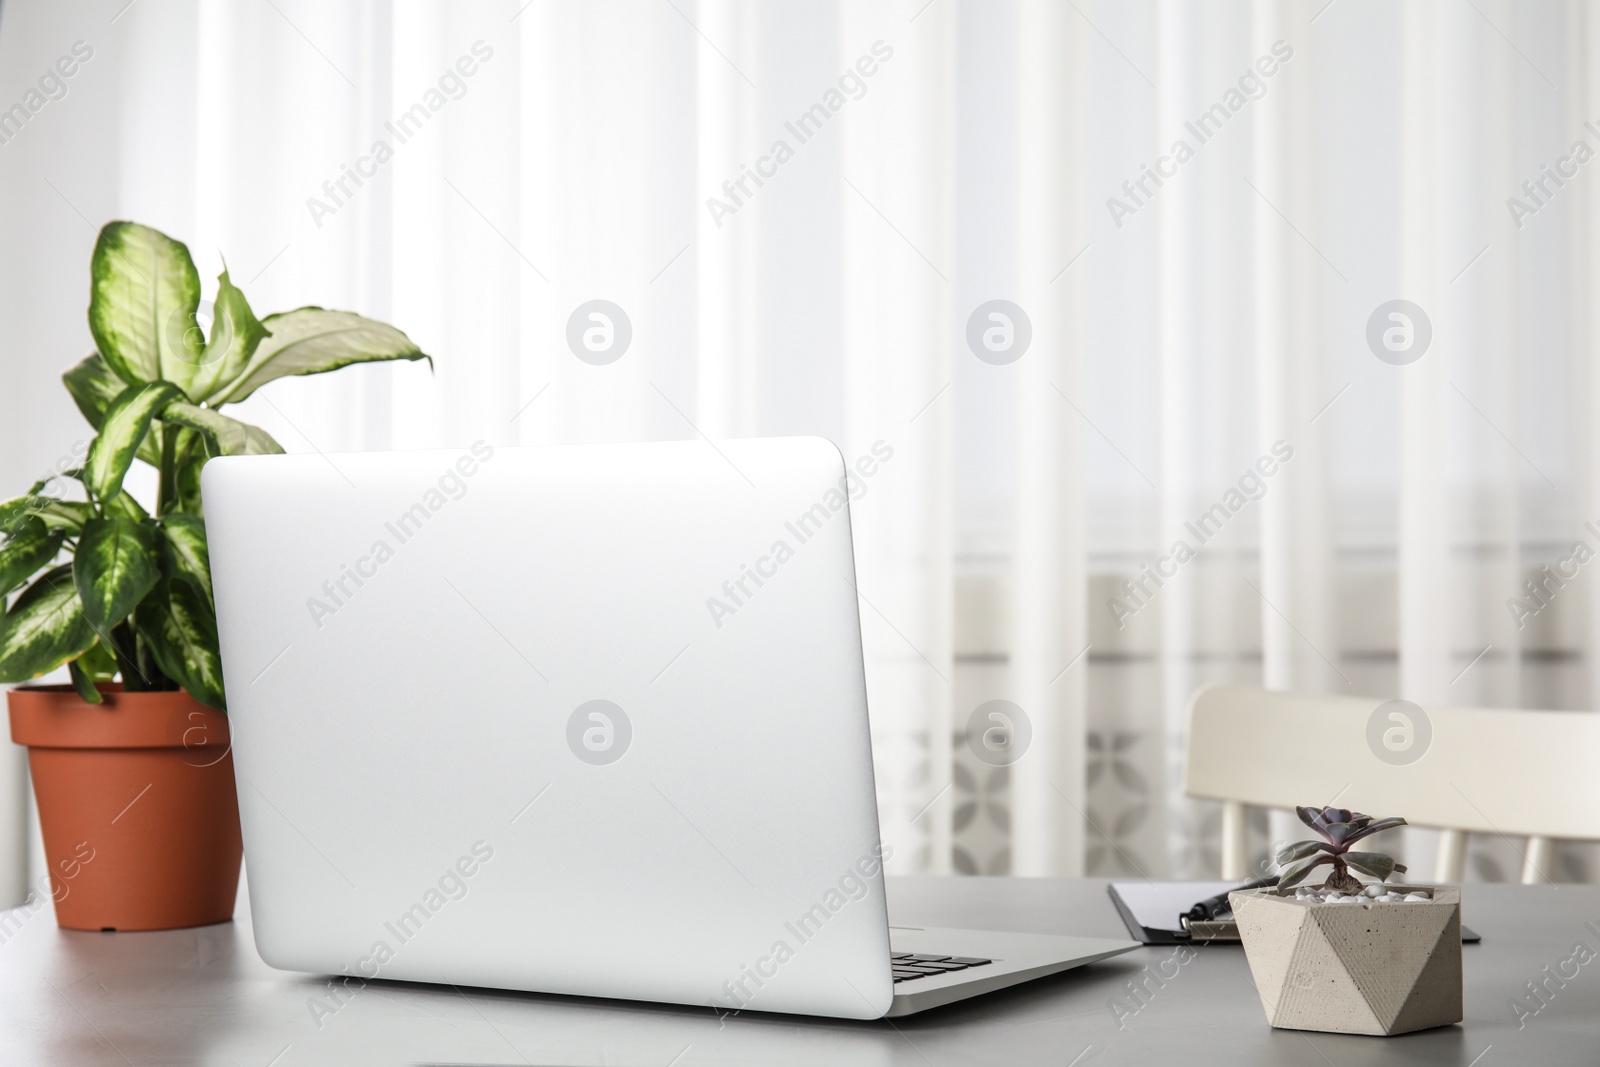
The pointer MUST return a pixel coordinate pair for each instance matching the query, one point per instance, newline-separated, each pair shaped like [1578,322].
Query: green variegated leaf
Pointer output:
[45,628]
[31,546]
[16,512]
[68,515]
[185,547]
[117,562]
[93,387]
[142,298]
[181,632]
[125,424]
[193,451]
[22,524]
[188,481]
[98,663]
[134,663]
[124,505]
[311,340]
[230,436]
[84,684]
[1376,864]
[235,333]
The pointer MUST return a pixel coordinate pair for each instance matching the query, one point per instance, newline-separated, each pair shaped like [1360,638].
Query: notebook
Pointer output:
[1151,912]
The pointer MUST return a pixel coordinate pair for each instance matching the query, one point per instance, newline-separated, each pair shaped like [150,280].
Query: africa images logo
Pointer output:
[999,732]
[739,190]
[737,591]
[599,732]
[599,332]
[1399,332]
[52,86]
[1140,190]
[999,332]
[1399,732]
[450,485]
[452,884]
[450,85]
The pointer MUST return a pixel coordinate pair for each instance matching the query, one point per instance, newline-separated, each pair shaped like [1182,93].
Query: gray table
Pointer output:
[204,997]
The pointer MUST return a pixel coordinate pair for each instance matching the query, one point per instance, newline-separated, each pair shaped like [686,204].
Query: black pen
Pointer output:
[1217,907]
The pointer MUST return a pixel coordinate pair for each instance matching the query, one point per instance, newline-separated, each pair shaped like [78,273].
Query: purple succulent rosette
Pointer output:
[1340,828]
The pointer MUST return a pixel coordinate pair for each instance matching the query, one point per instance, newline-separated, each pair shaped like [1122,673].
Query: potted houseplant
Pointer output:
[130,763]
[1346,957]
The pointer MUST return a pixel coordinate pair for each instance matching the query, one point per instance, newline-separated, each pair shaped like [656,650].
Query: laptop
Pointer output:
[582,720]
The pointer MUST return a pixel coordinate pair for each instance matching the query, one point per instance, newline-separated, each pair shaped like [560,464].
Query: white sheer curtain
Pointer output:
[1186,315]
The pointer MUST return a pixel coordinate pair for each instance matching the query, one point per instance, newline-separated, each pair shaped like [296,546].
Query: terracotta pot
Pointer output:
[136,804]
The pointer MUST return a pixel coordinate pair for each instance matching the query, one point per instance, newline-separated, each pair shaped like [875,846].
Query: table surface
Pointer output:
[203,996]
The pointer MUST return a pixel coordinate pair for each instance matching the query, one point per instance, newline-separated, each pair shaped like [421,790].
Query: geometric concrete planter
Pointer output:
[1354,968]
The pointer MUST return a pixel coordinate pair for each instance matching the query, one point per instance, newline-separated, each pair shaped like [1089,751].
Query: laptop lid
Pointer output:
[586,720]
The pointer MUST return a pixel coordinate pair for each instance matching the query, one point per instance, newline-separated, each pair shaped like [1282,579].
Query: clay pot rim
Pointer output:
[54,716]
[104,687]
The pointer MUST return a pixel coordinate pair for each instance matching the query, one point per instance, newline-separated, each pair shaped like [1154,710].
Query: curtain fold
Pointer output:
[1049,573]
[1293,599]
[1179,259]
[1581,32]
[896,163]
[728,249]
[1186,311]
[1427,594]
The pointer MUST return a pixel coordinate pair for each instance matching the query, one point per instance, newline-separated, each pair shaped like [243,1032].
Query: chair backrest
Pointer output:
[1483,770]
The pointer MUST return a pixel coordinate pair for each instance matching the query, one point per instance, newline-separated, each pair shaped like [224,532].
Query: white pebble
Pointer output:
[1372,891]
[1418,896]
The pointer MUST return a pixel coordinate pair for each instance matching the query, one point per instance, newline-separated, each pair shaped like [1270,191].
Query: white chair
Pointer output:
[1515,774]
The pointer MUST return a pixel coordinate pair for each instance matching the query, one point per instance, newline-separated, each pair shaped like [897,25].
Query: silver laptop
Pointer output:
[582,720]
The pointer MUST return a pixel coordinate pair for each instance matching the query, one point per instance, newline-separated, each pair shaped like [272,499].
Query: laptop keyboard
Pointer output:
[908,966]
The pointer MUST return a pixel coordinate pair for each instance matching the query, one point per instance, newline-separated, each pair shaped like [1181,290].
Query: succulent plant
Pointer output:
[1340,828]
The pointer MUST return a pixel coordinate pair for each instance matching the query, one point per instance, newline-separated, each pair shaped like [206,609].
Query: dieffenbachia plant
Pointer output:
[1340,828]
[110,588]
